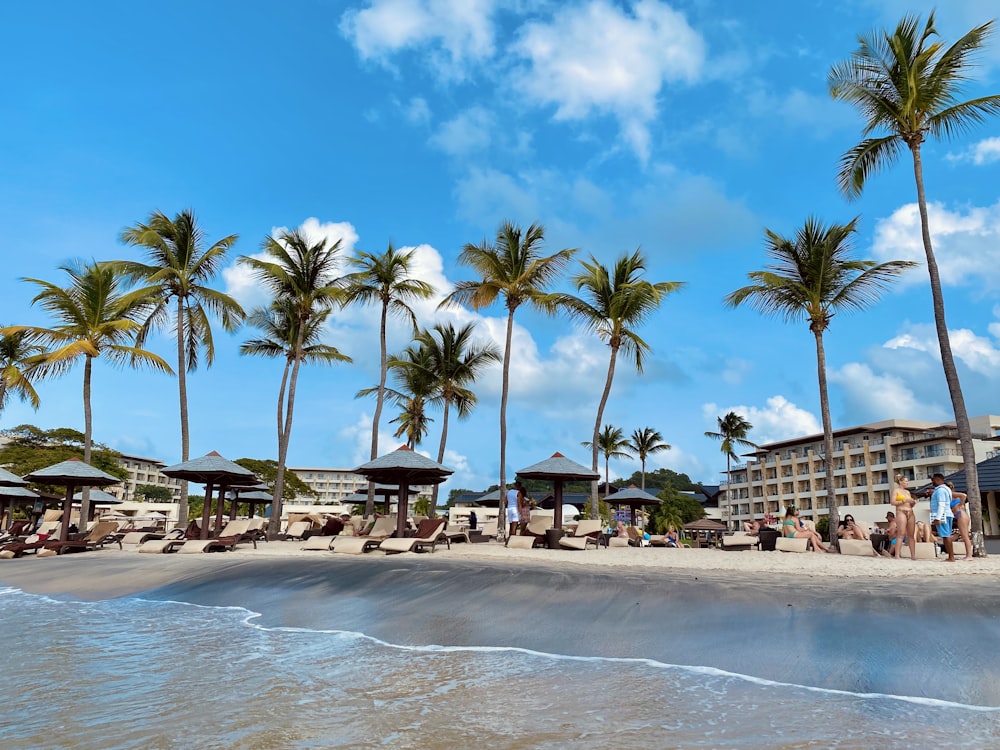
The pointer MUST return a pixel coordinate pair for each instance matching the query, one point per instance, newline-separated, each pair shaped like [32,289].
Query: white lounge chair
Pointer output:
[586,533]
[428,534]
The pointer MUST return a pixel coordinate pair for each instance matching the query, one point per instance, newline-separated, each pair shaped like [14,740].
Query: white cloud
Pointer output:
[978,353]
[872,396]
[455,32]
[779,420]
[469,132]
[986,151]
[966,244]
[598,57]
[417,111]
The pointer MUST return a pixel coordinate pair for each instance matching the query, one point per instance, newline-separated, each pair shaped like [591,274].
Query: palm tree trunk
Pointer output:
[824,407]
[504,387]
[948,363]
[594,506]
[88,436]
[182,507]
[285,438]
[274,523]
[729,484]
[379,398]
[642,460]
[444,440]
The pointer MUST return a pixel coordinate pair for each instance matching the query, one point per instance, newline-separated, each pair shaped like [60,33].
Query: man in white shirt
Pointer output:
[941,512]
[514,501]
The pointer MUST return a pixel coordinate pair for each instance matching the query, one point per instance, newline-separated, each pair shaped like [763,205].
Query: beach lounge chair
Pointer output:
[739,540]
[635,537]
[319,543]
[428,534]
[104,532]
[234,533]
[15,532]
[792,544]
[925,551]
[586,533]
[354,545]
[297,529]
[857,547]
[487,530]
[384,527]
[536,529]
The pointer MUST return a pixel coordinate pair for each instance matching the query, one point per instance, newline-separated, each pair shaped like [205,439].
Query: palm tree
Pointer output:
[611,443]
[279,325]
[511,267]
[645,443]
[181,266]
[455,360]
[16,373]
[733,431]
[907,85]
[94,319]
[415,392]
[614,304]
[812,277]
[301,277]
[384,279]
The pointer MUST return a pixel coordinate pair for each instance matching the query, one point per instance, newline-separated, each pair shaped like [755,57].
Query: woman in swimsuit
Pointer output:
[963,522]
[791,527]
[906,523]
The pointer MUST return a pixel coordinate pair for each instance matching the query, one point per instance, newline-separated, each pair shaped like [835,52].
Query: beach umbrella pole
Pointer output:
[67,511]
[206,511]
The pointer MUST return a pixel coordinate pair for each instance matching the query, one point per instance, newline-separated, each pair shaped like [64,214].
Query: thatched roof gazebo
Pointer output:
[402,468]
[71,474]
[212,470]
[633,497]
[557,469]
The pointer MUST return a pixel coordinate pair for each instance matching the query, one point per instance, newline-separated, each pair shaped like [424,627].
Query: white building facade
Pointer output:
[865,461]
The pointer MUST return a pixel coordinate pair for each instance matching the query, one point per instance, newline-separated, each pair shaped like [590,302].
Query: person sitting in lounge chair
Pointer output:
[672,540]
[792,527]
[752,527]
[849,529]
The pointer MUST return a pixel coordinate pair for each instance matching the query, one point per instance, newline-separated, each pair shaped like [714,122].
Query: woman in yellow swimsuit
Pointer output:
[906,522]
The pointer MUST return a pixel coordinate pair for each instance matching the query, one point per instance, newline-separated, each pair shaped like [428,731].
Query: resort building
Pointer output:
[333,485]
[865,460]
[143,471]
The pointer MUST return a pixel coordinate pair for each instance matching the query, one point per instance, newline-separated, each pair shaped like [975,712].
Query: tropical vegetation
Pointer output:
[812,277]
[732,433]
[907,85]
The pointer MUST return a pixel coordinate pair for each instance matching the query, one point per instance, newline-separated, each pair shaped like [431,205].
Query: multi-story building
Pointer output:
[865,461]
[333,485]
[143,471]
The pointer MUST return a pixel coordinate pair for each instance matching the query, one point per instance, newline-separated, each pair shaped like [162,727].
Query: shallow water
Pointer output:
[139,673]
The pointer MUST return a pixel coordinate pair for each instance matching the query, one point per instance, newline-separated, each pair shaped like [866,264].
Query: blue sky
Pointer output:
[685,128]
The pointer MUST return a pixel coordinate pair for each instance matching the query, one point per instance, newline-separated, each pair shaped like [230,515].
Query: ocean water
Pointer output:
[143,673]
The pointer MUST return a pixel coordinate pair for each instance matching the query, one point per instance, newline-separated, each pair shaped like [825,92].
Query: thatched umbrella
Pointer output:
[213,471]
[252,496]
[557,469]
[71,474]
[633,497]
[98,497]
[8,479]
[403,467]
[17,496]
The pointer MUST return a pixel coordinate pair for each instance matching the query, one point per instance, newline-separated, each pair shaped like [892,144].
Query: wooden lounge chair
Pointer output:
[859,547]
[635,538]
[383,528]
[234,533]
[536,529]
[104,532]
[428,534]
[354,545]
[586,533]
[297,529]
[738,540]
[315,543]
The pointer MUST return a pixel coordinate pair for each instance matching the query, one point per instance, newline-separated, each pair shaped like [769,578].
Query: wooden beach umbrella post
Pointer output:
[71,474]
[557,469]
[215,472]
[403,468]
[633,497]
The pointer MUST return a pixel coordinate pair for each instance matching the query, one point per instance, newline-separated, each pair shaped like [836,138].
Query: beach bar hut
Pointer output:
[71,474]
[215,472]
[403,468]
[557,469]
[634,498]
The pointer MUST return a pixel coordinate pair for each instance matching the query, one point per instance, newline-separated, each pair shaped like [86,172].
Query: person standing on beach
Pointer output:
[906,524]
[941,512]
[962,520]
[515,501]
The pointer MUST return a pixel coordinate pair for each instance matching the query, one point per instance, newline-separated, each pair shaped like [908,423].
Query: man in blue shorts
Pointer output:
[941,512]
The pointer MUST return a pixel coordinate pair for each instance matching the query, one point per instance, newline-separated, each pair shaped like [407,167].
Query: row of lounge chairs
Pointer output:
[103,532]
[430,532]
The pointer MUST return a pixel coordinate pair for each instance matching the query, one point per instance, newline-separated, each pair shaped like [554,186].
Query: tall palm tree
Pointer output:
[644,443]
[614,304]
[513,268]
[733,431]
[611,443]
[279,326]
[385,280]
[94,318]
[907,85]
[455,360]
[181,266]
[415,392]
[16,373]
[301,276]
[812,277]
